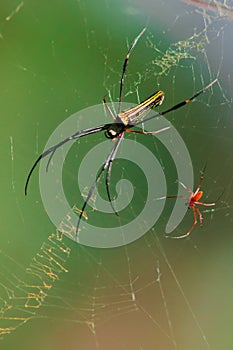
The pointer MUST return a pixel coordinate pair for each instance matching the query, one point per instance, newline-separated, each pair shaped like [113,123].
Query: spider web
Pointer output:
[153,293]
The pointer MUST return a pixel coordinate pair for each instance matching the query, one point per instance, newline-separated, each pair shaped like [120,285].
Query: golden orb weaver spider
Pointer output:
[123,122]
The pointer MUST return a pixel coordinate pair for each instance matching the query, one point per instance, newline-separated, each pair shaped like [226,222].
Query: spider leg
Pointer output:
[185,187]
[107,182]
[200,216]
[205,204]
[31,171]
[105,166]
[50,158]
[147,132]
[172,197]
[108,175]
[183,103]
[195,211]
[125,67]
[108,109]
[201,179]
[178,105]
[52,149]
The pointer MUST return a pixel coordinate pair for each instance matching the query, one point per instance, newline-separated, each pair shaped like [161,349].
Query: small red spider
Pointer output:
[193,203]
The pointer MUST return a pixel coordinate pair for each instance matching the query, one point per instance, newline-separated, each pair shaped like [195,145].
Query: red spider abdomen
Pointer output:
[198,196]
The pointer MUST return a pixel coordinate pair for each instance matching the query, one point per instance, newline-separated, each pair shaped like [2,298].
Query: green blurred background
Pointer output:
[59,57]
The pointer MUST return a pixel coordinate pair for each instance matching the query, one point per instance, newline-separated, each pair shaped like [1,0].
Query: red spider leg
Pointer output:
[184,197]
[205,204]
[201,179]
[200,215]
[185,187]
[195,211]
[147,132]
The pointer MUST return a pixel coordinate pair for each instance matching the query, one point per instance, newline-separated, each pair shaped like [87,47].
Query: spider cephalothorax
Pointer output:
[115,130]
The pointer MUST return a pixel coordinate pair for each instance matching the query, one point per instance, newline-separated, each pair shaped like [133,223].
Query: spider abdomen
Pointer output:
[198,196]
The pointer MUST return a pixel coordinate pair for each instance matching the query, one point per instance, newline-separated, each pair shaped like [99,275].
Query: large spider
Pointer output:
[123,122]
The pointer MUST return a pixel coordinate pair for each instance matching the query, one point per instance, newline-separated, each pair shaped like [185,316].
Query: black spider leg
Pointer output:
[109,171]
[52,149]
[178,105]
[106,165]
[107,182]
[108,109]
[125,67]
